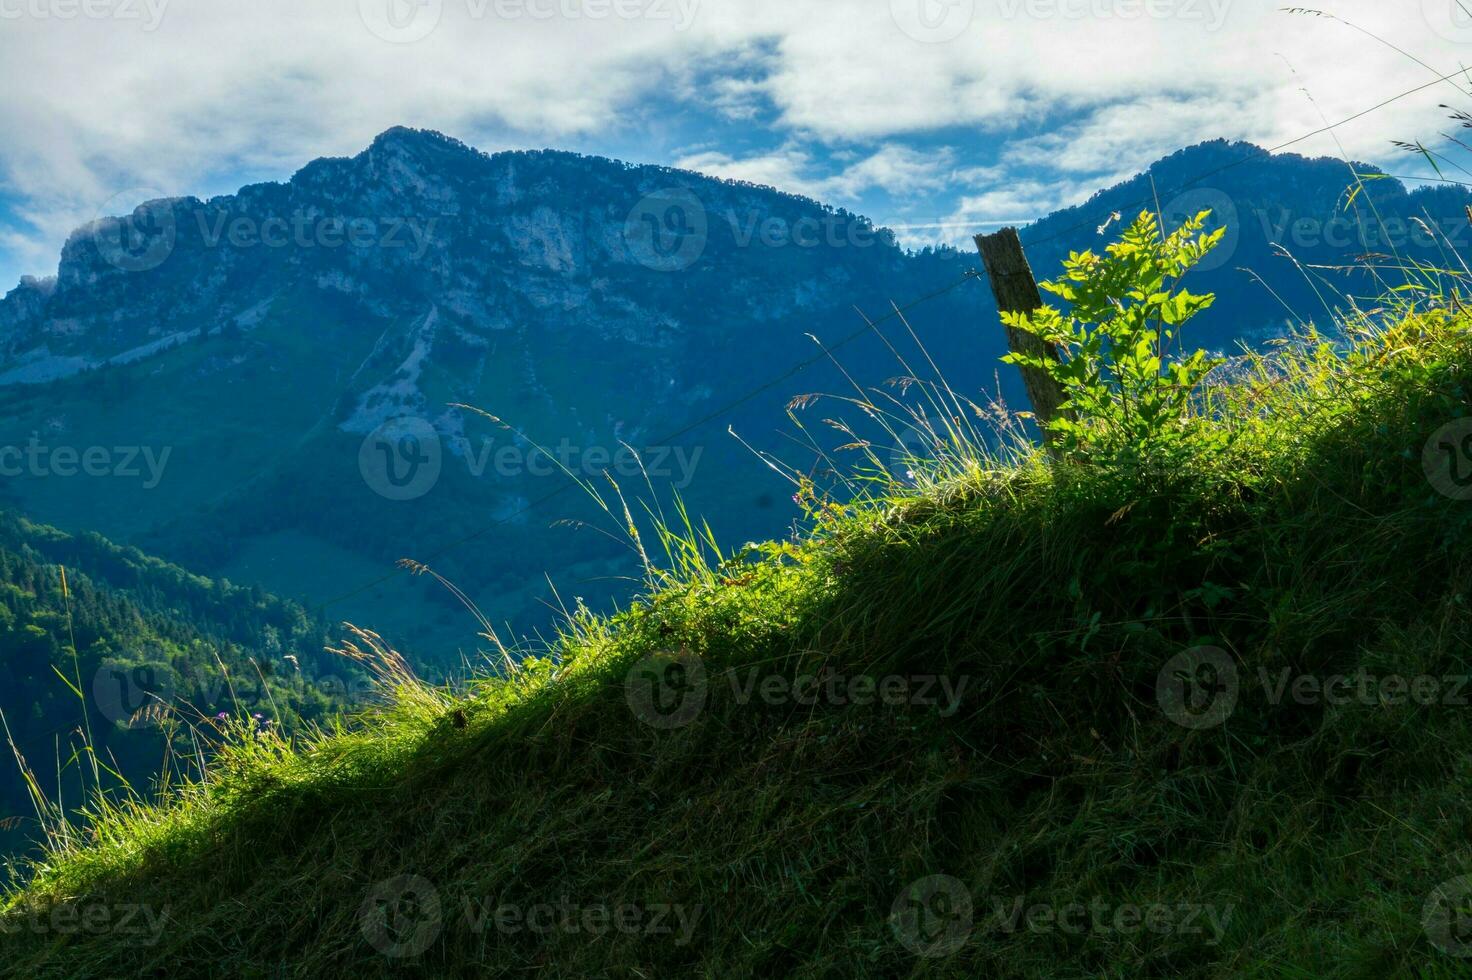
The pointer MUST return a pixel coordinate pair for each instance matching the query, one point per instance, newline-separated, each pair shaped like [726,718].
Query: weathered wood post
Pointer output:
[1017,292]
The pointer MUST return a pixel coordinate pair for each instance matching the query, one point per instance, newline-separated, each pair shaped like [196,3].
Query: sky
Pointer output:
[937,118]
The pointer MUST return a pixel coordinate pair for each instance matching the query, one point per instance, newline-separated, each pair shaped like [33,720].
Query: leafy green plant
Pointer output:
[1127,398]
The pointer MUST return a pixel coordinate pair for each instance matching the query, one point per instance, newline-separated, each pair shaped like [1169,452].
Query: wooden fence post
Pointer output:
[1017,292]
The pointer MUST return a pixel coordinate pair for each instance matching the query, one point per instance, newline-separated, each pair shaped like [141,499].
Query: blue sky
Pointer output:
[933,116]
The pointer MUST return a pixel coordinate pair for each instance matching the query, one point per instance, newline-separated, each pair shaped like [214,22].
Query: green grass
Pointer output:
[786,833]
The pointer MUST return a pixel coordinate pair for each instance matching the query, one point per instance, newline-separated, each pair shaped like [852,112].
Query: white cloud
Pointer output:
[787,169]
[896,168]
[1077,90]
[891,167]
[1121,138]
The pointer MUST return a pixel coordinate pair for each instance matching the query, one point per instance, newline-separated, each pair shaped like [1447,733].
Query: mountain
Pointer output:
[263,382]
[108,647]
[1302,236]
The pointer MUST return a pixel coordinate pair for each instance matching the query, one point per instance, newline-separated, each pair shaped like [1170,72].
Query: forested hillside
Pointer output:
[107,644]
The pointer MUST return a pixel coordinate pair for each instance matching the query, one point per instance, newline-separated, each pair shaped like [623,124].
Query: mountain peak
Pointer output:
[406,137]
[427,147]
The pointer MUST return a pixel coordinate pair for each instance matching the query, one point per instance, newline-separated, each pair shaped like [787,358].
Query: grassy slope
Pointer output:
[129,631]
[1316,833]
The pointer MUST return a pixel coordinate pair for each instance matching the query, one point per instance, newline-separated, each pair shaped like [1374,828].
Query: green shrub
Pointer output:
[1128,399]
